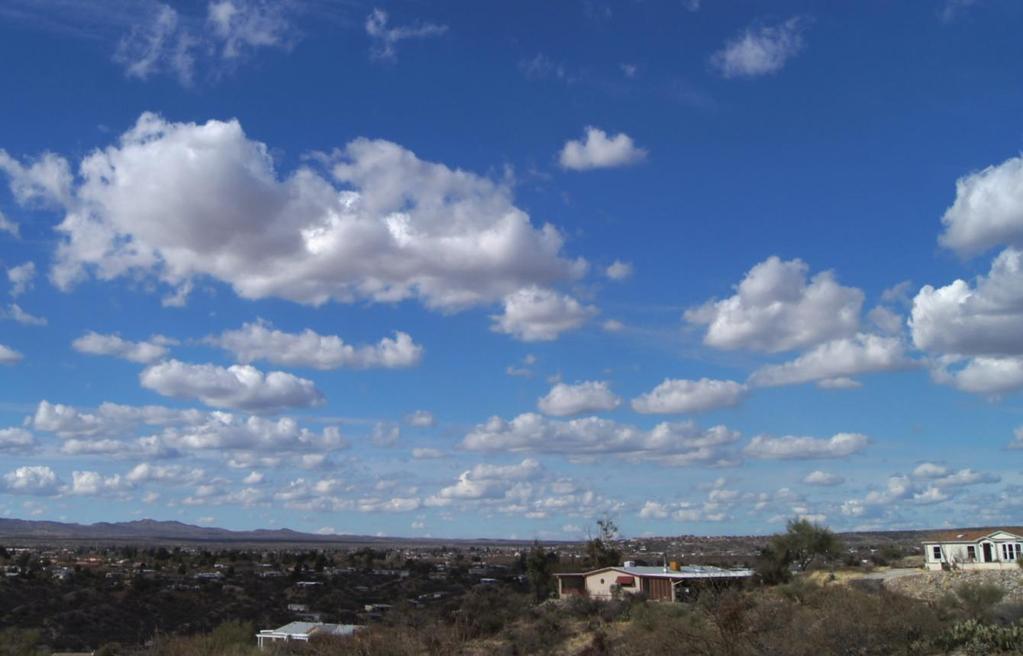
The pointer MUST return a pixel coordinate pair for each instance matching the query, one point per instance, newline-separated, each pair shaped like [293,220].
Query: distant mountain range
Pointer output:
[152,530]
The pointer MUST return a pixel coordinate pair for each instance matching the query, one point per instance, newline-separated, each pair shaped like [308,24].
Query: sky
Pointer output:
[462,269]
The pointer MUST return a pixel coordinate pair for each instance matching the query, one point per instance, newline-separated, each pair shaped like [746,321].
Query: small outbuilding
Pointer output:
[303,632]
[667,583]
[982,548]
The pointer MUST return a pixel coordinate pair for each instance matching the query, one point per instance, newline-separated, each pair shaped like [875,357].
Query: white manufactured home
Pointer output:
[983,548]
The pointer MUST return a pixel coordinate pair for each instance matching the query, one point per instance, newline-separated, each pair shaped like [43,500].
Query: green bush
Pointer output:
[976,638]
[977,600]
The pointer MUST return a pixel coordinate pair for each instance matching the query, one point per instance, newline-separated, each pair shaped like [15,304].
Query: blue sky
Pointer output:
[461,269]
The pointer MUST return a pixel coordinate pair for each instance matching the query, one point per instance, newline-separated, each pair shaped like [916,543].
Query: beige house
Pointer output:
[982,548]
[670,583]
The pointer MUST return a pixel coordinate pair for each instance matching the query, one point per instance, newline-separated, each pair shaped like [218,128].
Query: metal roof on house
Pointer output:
[685,572]
[972,534]
[310,628]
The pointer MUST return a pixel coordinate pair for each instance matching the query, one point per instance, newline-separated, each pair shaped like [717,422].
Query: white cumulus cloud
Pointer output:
[9,355]
[790,447]
[93,343]
[540,315]
[260,341]
[677,396]
[760,51]
[598,150]
[33,479]
[588,396]
[837,360]
[180,201]
[823,478]
[776,309]
[987,211]
[670,444]
[239,386]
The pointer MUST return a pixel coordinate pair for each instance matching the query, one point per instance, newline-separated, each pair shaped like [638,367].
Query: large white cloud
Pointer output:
[980,320]
[32,479]
[677,396]
[598,151]
[760,51]
[837,360]
[988,209]
[776,309]
[540,315]
[145,472]
[108,420]
[16,440]
[588,396]
[990,376]
[94,343]
[798,448]
[228,431]
[490,481]
[91,483]
[181,201]
[239,386]
[672,444]
[260,341]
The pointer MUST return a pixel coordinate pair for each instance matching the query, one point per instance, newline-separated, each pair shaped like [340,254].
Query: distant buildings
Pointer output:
[985,548]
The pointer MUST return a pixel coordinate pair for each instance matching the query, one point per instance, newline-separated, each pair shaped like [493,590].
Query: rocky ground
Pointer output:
[932,586]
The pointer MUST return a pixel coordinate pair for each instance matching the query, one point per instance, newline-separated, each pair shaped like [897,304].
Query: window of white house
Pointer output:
[971,552]
[1008,551]
[1019,550]
[937,553]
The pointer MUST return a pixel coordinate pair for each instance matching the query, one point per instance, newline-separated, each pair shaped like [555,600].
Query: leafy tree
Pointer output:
[773,566]
[539,566]
[803,542]
[601,551]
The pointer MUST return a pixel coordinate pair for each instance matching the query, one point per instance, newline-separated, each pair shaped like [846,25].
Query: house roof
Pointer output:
[972,534]
[686,572]
[310,628]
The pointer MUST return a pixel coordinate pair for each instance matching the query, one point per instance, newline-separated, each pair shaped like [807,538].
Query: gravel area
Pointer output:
[932,586]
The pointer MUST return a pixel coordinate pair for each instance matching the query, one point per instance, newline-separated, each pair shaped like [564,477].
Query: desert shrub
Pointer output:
[580,607]
[977,600]
[540,633]
[979,639]
[485,611]
[1008,613]
[20,642]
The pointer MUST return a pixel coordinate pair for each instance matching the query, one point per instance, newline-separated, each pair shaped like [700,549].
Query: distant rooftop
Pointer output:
[313,628]
[685,572]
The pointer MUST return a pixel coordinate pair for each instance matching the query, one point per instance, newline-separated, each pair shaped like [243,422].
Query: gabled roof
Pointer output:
[973,534]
